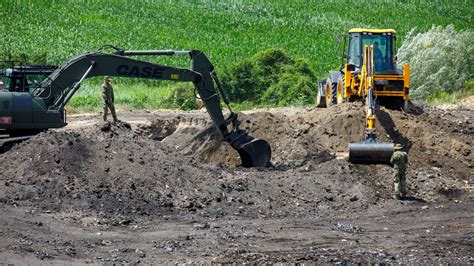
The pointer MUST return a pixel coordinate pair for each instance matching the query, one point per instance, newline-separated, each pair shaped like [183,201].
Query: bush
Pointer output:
[270,77]
[441,60]
[181,96]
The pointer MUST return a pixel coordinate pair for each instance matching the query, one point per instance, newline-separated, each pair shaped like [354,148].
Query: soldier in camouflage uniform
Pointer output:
[399,160]
[108,98]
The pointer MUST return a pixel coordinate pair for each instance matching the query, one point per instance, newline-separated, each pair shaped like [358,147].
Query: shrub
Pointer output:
[441,59]
[241,81]
[181,96]
[270,77]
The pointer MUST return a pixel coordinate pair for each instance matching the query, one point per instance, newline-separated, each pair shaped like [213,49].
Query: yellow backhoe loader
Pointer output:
[369,73]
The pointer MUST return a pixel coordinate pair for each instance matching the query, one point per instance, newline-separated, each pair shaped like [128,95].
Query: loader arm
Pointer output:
[57,89]
[369,151]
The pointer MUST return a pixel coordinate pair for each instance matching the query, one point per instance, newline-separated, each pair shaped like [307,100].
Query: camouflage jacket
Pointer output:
[399,159]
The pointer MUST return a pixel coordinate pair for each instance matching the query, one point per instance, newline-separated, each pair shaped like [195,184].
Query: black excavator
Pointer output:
[23,113]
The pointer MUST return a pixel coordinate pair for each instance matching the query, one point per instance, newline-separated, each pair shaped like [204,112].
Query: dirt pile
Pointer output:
[439,143]
[114,170]
[174,171]
[115,173]
[110,169]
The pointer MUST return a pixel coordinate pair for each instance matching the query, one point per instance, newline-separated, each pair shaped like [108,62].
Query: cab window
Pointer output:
[382,50]
[354,49]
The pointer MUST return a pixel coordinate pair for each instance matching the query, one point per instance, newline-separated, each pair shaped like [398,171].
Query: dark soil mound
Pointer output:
[180,164]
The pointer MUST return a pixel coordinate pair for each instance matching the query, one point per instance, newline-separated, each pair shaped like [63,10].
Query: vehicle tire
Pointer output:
[331,92]
[320,99]
[340,91]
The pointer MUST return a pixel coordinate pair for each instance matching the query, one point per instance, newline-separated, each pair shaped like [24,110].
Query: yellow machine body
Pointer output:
[392,83]
[368,72]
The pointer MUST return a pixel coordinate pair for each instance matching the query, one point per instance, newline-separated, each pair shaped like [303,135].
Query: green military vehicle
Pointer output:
[17,83]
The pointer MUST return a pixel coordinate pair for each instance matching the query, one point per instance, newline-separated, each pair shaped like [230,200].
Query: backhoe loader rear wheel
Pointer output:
[331,92]
[320,99]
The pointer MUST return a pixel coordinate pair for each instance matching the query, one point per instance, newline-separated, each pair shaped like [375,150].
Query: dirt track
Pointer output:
[167,190]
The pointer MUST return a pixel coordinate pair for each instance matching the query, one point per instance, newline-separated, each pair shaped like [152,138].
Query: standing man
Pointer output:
[399,161]
[108,98]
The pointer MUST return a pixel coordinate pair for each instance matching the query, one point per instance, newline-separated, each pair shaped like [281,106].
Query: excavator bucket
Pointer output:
[253,152]
[370,152]
[256,153]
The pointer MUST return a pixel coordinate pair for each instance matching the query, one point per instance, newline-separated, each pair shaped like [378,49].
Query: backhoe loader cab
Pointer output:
[384,48]
[391,84]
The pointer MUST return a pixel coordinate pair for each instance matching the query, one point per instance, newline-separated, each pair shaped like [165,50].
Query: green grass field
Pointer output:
[137,96]
[54,31]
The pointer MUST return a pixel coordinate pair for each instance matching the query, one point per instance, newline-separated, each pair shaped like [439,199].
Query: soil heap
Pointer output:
[179,164]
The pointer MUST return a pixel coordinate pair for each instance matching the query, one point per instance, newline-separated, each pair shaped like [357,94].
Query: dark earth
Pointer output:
[162,187]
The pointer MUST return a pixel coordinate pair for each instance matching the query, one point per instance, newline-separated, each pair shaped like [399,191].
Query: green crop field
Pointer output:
[54,31]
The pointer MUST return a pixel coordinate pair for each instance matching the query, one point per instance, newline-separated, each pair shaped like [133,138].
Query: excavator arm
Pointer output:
[58,88]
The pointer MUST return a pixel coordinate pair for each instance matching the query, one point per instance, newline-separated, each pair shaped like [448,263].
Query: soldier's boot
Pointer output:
[106,109]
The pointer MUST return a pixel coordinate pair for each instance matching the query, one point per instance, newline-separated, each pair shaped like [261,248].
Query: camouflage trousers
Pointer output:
[399,184]
[107,106]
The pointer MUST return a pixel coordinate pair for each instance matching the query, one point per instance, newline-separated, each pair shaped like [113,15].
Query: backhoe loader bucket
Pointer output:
[370,152]
[253,152]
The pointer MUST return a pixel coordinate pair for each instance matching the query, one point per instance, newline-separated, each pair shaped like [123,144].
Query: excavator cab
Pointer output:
[24,78]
